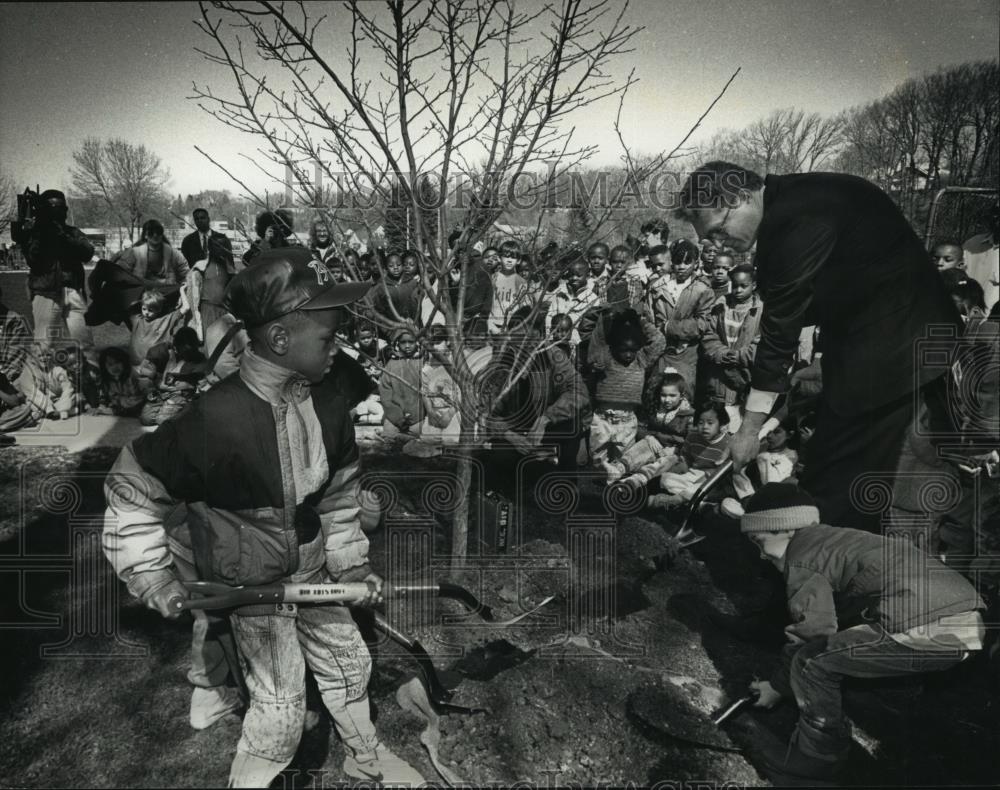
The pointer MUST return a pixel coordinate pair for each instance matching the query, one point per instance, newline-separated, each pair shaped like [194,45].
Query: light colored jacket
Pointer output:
[136,261]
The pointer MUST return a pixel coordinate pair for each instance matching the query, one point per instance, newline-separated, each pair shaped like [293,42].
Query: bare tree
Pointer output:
[128,178]
[480,97]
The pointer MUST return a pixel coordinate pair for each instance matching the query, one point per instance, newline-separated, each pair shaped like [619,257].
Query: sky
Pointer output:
[75,70]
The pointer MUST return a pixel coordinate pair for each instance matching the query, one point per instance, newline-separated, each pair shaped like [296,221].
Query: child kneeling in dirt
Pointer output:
[267,466]
[926,619]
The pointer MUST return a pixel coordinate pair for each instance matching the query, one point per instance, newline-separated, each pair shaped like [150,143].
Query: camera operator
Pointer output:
[55,253]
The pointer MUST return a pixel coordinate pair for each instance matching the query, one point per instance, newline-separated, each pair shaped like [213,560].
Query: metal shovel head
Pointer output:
[665,708]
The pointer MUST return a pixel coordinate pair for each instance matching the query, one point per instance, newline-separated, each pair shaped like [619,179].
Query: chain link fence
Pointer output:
[957,213]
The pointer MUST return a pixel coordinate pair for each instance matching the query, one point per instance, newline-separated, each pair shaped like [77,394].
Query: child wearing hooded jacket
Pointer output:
[922,617]
[266,465]
[399,386]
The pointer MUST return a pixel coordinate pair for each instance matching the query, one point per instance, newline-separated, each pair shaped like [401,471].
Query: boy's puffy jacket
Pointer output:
[827,567]
[228,459]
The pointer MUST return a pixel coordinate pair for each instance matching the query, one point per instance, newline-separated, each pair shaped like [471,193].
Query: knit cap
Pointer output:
[777,507]
[399,334]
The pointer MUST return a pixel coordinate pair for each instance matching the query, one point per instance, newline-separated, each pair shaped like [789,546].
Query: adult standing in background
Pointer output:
[210,253]
[55,253]
[835,251]
[153,260]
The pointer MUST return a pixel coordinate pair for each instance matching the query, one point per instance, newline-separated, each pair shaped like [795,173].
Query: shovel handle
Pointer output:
[210,595]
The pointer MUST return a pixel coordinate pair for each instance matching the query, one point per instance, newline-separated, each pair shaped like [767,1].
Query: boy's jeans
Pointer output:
[819,666]
[274,650]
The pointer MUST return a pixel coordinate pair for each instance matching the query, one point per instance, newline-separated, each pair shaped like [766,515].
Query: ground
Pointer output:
[98,697]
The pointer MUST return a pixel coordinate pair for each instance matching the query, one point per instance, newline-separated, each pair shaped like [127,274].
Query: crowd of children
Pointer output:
[642,354]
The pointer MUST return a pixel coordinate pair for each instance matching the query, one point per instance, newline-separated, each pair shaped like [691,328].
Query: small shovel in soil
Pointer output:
[667,710]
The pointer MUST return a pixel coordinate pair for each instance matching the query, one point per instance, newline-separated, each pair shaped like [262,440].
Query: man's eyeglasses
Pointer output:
[718,229]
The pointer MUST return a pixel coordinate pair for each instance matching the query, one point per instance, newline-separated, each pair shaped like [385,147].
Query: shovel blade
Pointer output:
[666,709]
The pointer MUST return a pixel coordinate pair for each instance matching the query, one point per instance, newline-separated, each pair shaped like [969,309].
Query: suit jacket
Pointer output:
[834,250]
[220,249]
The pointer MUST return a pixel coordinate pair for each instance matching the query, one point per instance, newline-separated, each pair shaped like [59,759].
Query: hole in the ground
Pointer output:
[488,661]
[616,600]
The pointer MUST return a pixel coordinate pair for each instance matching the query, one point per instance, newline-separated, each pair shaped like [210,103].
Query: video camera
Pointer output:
[29,207]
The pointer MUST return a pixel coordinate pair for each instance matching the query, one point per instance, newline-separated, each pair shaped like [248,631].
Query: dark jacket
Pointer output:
[55,260]
[907,587]
[834,250]
[220,249]
[893,583]
[227,458]
[478,302]
[551,387]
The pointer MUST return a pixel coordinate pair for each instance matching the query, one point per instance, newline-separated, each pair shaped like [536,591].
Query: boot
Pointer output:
[382,766]
[789,766]
[248,770]
[664,501]
[209,705]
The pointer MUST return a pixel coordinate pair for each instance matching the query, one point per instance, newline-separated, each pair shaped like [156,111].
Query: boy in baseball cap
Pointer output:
[267,465]
[922,617]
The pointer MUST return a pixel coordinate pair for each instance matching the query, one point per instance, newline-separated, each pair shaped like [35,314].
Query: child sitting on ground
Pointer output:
[152,326]
[180,367]
[620,363]
[267,465]
[778,462]
[121,392]
[667,425]
[706,448]
[399,387]
[926,618]
[61,399]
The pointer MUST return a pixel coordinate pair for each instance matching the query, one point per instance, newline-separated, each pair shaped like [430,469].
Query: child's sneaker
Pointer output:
[731,508]
[382,766]
[614,470]
[211,704]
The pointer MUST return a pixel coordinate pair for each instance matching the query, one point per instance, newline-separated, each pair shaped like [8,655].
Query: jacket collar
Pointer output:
[270,382]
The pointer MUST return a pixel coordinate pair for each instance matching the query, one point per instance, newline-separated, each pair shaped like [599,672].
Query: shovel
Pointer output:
[667,709]
[212,595]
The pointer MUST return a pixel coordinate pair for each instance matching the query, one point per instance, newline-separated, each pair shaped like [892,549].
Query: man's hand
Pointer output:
[166,599]
[767,695]
[374,595]
[745,445]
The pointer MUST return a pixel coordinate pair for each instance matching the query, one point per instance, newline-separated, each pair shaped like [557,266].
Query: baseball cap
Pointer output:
[281,281]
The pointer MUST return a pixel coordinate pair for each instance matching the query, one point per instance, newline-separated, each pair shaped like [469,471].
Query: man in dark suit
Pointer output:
[211,253]
[835,251]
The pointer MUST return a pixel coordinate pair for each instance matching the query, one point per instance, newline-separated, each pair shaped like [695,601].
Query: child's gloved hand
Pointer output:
[767,695]
[165,599]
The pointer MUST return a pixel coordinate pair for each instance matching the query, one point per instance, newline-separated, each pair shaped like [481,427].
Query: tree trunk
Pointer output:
[460,522]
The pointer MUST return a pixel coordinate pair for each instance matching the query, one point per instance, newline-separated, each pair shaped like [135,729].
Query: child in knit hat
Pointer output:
[925,618]
[399,386]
